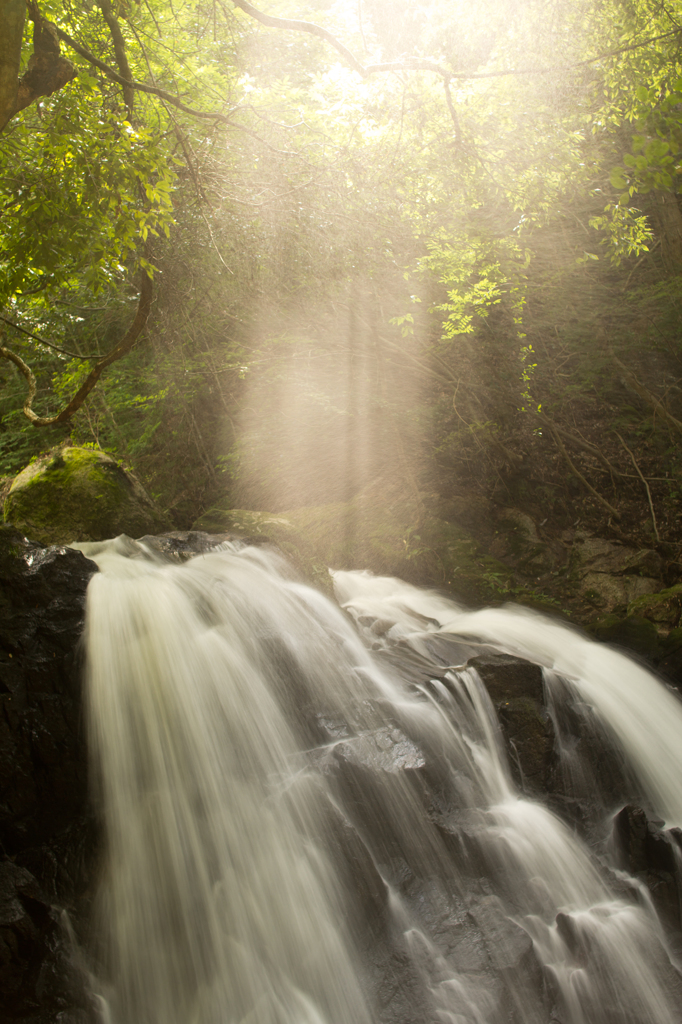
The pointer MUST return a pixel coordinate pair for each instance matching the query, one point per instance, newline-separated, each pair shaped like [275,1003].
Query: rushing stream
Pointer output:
[312,820]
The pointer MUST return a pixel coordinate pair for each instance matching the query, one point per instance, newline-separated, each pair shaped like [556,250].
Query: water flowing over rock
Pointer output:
[315,817]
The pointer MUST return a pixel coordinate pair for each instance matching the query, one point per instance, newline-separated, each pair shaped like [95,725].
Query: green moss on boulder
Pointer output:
[663,607]
[79,494]
[634,632]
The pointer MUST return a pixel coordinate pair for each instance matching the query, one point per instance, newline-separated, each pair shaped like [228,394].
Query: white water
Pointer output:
[644,717]
[298,835]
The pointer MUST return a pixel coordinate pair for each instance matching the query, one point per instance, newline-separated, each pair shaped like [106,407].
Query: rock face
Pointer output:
[80,494]
[45,835]
[613,575]
[651,853]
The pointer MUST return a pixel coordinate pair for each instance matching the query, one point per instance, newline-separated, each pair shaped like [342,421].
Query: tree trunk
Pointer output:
[12,18]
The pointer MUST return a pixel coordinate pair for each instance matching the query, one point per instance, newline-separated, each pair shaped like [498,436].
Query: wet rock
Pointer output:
[652,853]
[670,656]
[507,944]
[43,770]
[80,494]
[663,607]
[386,749]
[42,751]
[516,689]
[180,545]
[642,841]
[528,732]
[507,678]
[37,980]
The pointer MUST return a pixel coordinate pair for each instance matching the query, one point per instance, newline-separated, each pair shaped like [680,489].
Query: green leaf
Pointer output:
[617,178]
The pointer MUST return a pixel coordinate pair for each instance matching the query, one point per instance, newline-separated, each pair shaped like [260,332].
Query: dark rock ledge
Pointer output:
[47,838]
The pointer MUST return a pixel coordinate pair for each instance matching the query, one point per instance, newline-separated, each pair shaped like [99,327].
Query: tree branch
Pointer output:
[646,485]
[124,346]
[47,70]
[562,448]
[120,52]
[453,112]
[153,90]
[13,18]
[647,395]
[580,443]
[419,63]
[302,26]
[48,344]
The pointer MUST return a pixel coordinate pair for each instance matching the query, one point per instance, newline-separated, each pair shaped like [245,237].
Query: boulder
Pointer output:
[611,575]
[516,689]
[610,592]
[646,849]
[663,607]
[517,540]
[80,494]
[635,633]
[42,753]
[595,554]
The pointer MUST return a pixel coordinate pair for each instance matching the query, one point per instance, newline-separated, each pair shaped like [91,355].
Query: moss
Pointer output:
[251,524]
[11,544]
[673,642]
[80,494]
[634,632]
[663,607]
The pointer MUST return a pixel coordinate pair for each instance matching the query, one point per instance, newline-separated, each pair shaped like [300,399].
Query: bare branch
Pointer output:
[302,26]
[124,346]
[453,112]
[646,485]
[647,395]
[586,446]
[562,448]
[419,63]
[48,344]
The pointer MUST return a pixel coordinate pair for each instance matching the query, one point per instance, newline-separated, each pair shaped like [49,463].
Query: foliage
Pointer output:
[355,277]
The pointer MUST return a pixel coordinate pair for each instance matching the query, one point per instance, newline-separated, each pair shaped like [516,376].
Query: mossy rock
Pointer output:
[663,607]
[633,632]
[79,494]
[249,524]
[362,534]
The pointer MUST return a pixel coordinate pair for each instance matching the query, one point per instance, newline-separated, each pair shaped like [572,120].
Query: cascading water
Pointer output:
[311,823]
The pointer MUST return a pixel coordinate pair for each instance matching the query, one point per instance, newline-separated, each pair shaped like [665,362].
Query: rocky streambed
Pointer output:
[50,832]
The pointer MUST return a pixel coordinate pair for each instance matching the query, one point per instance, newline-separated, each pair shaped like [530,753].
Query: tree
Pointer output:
[289,159]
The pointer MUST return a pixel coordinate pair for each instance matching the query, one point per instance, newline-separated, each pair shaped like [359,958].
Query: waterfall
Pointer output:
[312,820]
